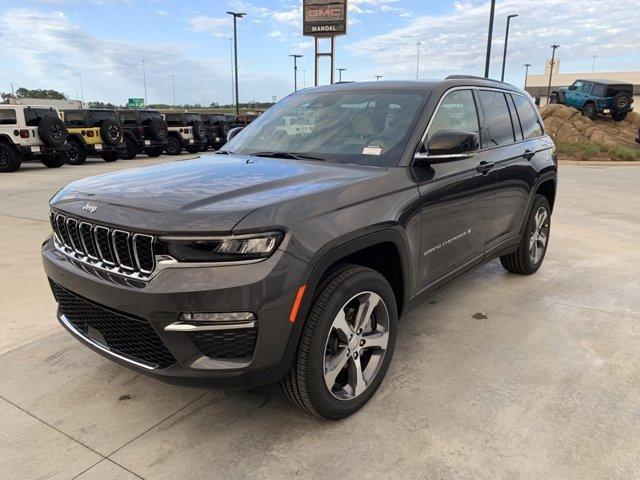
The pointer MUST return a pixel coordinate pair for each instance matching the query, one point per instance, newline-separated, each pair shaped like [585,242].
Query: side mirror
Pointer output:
[449,145]
[573,87]
[233,132]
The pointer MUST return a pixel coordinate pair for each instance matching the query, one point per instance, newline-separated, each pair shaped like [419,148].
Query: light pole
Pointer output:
[593,66]
[340,70]
[295,71]
[378,77]
[506,42]
[144,78]
[173,84]
[489,39]
[552,63]
[81,90]
[526,74]
[419,44]
[233,97]
[236,15]
[304,78]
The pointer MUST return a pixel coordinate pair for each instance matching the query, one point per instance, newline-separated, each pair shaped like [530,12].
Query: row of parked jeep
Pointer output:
[70,136]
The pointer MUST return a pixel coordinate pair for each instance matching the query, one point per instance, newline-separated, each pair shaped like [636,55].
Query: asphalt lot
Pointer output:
[496,376]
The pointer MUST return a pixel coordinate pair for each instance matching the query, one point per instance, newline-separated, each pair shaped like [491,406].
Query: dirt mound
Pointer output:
[568,125]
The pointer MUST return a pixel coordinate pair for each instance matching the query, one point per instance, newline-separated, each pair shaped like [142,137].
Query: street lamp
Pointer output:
[340,70]
[295,71]
[236,15]
[81,89]
[144,78]
[552,63]
[173,84]
[489,39]
[378,77]
[526,74]
[506,41]
[419,44]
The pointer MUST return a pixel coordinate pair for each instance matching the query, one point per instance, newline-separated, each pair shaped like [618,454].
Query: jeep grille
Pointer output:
[115,250]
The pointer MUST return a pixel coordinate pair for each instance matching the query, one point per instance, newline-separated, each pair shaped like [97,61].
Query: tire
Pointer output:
[130,150]
[199,130]
[618,115]
[205,146]
[158,129]
[10,159]
[76,154]
[223,129]
[621,101]
[522,260]
[553,98]
[154,151]
[54,161]
[52,131]
[174,146]
[110,132]
[305,385]
[111,156]
[589,111]
[193,148]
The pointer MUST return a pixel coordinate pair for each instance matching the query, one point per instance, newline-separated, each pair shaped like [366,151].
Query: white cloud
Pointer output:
[218,27]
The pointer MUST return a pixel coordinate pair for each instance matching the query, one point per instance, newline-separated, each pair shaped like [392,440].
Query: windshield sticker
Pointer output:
[372,150]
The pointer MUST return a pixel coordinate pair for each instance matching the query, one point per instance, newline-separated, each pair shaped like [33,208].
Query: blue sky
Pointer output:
[47,43]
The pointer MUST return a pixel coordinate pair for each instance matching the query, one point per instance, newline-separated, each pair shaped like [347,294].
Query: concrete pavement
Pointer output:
[496,376]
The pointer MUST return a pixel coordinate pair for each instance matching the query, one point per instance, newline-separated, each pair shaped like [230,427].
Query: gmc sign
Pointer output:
[324,18]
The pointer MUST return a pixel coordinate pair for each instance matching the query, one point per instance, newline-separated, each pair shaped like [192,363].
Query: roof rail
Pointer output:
[473,77]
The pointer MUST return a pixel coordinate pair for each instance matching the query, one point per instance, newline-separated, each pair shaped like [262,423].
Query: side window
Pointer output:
[456,112]
[497,119]
[7,117]
[586,87]
[578,84]
[529,120]
[173,120]
[127,118]
[598,90]
[515,118]
[74,119]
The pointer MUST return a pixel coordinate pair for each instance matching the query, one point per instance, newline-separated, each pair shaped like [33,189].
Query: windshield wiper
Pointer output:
[291,155]
[224,152]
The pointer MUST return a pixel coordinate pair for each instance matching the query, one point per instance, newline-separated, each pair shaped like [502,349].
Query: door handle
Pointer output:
[528,154]
[484,167]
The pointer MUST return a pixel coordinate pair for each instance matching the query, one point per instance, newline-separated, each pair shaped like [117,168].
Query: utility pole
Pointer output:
[233,101]
[236,15]
[12,92]
[144,77]
[593,66]
[506,42]
[81,89]
[295,71]
[419,44]
[552,63]
[340,70]
[173,84]
[378,77]
[526,74]
[304,78]
[487,62]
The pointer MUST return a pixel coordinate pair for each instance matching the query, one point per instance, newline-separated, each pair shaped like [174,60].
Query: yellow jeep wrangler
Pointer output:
[92,132]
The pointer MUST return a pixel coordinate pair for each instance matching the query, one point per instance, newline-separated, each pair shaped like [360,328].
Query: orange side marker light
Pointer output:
[296,304]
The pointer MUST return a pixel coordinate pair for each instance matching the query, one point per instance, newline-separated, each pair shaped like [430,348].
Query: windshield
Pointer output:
[367,128]
[99,116]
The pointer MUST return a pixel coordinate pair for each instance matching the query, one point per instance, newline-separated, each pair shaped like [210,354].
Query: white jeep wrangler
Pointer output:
[186,130]
[31,133]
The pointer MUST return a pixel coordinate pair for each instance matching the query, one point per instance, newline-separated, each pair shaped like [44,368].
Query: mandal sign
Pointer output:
[136,103]
[324,18]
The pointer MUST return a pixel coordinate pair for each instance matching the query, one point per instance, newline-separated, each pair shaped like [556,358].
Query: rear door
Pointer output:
[456,198]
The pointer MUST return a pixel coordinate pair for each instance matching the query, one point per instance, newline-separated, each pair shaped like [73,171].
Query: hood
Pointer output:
[210,194]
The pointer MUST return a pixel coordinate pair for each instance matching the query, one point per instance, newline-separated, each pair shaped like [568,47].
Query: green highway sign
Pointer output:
[136,103]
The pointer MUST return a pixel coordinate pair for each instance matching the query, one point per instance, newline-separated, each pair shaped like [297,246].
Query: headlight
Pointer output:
[223,249]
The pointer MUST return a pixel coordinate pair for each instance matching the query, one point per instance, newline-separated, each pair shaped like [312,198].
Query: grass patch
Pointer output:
[588,151]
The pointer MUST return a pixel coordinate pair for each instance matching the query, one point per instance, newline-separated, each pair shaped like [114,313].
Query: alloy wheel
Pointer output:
[539,236]
[4,158]
[56,132]
[356,345]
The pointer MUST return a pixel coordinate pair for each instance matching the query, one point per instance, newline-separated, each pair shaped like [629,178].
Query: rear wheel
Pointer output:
[54,161]
[533,247]
[618,116]
[621,101]
[174,147]
[346,345]
[193,148]
[130,150]
[154,151]
[111,156]
[10,160]
[589,111]
[75,154]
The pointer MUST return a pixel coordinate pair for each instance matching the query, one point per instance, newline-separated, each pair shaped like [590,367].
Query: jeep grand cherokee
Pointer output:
[290,255]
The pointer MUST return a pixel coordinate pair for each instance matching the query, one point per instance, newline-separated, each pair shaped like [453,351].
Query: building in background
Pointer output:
[59,104]
[537,85]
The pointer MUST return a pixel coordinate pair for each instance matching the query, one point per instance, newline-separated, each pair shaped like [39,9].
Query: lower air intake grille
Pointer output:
[130,337]
[238,343]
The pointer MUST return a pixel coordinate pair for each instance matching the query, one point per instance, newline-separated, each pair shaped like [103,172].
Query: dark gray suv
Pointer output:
[290,254]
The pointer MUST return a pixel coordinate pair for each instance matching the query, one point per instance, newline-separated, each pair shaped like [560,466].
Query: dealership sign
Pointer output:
[324,18]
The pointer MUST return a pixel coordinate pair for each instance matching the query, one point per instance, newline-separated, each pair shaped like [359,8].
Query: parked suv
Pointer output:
[31,132]
[186,131]
[218,126]
[290,257]
[142,131]
[597,96]
[92,132]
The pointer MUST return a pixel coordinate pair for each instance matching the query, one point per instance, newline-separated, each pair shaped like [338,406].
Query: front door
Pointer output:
[457,198]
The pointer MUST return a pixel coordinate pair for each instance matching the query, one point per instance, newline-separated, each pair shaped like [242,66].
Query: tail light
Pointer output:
[24,133]
[90,133]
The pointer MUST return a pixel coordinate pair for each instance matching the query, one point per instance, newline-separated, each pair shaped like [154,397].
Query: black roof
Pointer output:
[604,82]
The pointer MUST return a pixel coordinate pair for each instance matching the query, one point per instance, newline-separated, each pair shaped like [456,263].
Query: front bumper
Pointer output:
[266,289]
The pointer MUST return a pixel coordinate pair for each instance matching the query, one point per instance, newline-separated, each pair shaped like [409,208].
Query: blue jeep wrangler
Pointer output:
[597,96]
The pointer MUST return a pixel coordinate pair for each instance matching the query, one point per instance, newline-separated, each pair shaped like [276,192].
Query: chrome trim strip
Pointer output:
[135,252]
[221,237]
[148,366]
[189,327]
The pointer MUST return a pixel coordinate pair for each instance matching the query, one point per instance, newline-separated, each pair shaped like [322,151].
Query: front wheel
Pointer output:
[553,98]
[346,345]
[10,160]
[533,247]
[589,111]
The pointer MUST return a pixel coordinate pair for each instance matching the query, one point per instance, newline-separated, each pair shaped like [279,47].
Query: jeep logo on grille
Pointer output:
[89,207]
